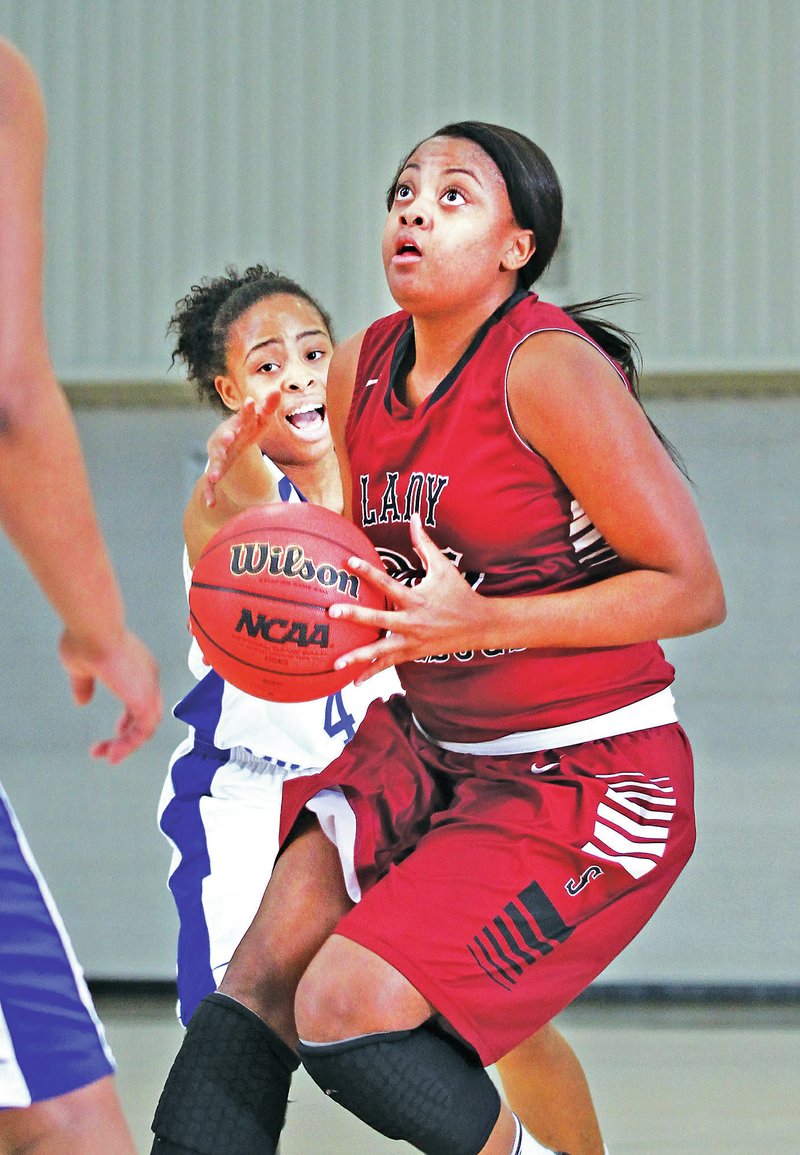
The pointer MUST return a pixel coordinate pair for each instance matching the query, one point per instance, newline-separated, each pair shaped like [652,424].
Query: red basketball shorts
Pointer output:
[502,886]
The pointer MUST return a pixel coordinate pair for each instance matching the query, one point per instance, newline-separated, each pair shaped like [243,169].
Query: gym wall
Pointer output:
[187,134]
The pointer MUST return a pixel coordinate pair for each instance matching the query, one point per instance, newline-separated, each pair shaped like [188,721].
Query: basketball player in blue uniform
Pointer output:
[257,346]
[57,1095]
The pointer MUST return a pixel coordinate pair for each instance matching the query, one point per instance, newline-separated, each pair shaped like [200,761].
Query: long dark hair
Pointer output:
[202,320]
[537,202]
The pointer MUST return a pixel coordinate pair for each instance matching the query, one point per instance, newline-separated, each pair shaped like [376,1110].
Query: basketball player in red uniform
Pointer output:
[516,818]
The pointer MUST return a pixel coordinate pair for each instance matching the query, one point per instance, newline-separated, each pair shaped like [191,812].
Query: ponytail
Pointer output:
[622,348]
[536,199]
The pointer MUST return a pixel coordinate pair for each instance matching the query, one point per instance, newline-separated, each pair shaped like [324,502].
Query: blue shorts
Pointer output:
[51,1040]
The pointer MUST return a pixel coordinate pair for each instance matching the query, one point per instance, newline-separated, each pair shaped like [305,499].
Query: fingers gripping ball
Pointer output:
[259,597]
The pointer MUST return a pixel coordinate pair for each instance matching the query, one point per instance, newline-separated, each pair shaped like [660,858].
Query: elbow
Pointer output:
[697,601]
[711,605]
[716,614]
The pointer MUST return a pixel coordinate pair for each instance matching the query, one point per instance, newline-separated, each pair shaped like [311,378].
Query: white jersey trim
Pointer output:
[656,710]
[338,822]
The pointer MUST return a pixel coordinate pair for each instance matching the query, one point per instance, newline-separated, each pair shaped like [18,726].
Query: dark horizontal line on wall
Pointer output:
[131,394]
[157,394]
[648,1006]
[756,384]
[599,994]
[691,994]
[133,987]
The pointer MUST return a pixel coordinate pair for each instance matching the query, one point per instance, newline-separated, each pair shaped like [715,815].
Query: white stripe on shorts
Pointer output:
[13,1088]
[13,1084]
[656,710]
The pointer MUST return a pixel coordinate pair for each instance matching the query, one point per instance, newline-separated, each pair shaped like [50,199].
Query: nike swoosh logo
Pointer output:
[543,769]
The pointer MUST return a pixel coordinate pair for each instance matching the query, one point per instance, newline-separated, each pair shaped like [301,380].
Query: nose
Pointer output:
[299,374]
[298,382]
[414,213]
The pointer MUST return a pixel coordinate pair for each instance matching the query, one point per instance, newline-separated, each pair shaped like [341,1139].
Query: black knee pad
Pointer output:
[421,1085]
[227,1091]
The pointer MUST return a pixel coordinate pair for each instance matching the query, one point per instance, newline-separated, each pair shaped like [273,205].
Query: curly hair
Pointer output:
[203,318]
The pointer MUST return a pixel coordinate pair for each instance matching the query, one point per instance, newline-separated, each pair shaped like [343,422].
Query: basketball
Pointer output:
[259,597]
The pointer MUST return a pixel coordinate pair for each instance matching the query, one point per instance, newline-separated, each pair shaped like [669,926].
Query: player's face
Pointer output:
[451,235]
[281,345]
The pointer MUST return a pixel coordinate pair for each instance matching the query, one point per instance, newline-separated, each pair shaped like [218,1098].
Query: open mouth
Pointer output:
[408,249]
[306,418]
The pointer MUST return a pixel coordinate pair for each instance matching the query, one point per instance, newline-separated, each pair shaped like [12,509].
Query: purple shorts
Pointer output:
[51,1040]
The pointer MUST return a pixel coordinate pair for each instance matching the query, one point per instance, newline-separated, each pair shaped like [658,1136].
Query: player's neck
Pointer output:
[319,482]
[440,340]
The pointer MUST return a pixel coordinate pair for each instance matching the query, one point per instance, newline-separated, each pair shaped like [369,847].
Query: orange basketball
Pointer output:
[259,597]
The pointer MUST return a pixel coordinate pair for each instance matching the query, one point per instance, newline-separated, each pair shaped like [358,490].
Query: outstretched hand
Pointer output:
[440,615]
[230,439]
[130,672]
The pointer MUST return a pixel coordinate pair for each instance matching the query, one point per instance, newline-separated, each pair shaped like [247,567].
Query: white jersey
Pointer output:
[221,803]
[295,736]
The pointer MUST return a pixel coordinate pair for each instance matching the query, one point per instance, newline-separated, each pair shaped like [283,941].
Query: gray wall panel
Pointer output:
[732,917]
[189,133]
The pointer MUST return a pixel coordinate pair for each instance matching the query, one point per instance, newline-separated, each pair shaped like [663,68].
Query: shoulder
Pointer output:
[23,130]
[559,382]
[22,157]
[371,340]
[565,343]
[341,382]
[554,357]
[357,352]
[346,356]
[550,340]
[21,101]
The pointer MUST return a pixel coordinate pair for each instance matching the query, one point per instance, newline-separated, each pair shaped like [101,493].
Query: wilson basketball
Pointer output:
[259,597]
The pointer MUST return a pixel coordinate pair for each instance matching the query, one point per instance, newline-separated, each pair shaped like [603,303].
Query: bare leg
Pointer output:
[547,1089]
[228,1087]
[88,1121]
[349,993]
[302,904]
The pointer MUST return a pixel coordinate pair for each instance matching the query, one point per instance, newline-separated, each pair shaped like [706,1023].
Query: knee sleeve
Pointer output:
[228,1087]
[421,1085]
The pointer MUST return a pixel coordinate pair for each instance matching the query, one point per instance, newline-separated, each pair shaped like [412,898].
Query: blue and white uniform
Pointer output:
[51,1040]
[220,806]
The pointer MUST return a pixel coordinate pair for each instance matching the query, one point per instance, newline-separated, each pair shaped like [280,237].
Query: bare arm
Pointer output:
[236,478]
[341,380]
[46,506]
[569,404]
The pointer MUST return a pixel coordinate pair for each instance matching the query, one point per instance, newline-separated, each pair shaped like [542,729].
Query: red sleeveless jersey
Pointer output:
[503,516]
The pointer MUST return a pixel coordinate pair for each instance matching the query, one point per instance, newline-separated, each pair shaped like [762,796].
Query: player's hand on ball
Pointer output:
[440,615]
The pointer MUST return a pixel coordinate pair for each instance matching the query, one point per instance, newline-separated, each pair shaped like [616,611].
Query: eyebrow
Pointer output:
[279,340]
[448,171]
